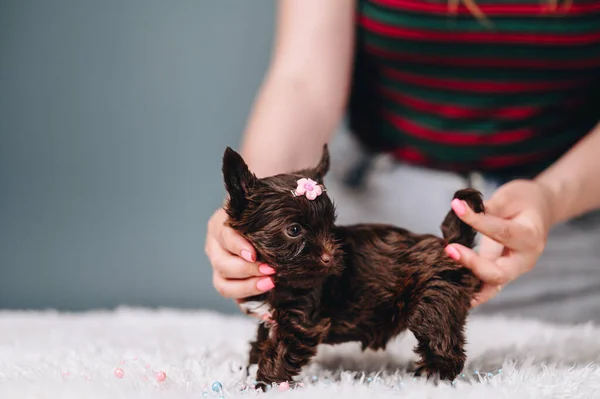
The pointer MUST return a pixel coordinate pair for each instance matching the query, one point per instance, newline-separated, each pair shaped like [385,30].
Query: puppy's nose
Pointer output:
[326,258]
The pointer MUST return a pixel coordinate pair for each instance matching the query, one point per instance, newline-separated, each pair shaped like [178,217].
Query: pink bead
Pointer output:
[161,376]
[147,366]
[284,386]
[119,373]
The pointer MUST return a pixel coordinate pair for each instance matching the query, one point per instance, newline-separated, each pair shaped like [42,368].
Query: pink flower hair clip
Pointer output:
[309,188]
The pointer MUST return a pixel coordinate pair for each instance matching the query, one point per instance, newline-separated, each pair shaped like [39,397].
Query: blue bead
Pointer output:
[499,371]
[476,371]
[217,386]
[453,382]
[490,375]
[463,375]
[315,378]
[369,379]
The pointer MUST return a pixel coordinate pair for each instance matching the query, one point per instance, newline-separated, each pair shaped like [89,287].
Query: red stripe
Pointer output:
[489,9]
[478,37]
[591,62]
[410,155]
[480,86]
[459,111]
[415,157]
[455,138]
[502,161]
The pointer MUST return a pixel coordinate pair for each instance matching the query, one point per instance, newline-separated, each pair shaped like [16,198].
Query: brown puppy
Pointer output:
[333,284]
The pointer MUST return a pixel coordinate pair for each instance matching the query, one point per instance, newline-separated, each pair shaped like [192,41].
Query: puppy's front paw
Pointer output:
[263,386]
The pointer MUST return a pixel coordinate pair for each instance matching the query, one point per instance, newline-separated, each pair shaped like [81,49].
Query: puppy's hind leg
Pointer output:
[437,322]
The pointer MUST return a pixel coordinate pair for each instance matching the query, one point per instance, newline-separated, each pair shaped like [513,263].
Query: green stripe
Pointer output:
[476,126]
[494,50]
[490,73]
[539,24]
[546,98]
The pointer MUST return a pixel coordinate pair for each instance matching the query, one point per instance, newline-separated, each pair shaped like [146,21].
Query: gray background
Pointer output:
[113,118]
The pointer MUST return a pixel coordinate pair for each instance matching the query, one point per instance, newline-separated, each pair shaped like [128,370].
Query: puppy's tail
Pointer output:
[455,230]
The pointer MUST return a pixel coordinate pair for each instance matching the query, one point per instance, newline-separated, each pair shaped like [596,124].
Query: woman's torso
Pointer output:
[450,91]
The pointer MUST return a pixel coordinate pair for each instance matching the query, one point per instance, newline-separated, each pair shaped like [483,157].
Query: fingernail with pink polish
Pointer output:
[265,269]
[265,284]
[452,252]
[459,206]
[247,255]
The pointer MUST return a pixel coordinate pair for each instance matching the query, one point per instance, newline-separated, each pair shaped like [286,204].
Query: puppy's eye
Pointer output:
[294,230]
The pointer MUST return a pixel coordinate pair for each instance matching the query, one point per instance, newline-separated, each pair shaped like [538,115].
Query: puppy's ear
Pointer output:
[239,182]
[323,167]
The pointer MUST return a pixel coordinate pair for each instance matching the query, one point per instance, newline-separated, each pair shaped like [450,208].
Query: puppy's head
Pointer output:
[291,230]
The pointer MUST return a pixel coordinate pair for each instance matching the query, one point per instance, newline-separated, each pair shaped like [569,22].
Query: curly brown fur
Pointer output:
[334,284]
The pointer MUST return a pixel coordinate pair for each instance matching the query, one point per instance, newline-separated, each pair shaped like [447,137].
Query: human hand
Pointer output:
[514,231]
[236,274]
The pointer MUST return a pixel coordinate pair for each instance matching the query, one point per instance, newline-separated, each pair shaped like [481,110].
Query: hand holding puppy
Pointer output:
[236,274]
[514,227]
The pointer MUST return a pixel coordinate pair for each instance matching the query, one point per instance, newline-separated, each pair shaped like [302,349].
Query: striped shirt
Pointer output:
[449,91]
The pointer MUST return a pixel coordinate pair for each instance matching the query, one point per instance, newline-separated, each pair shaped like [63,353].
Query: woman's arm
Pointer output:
[574,180]
[297,109]
[306,87]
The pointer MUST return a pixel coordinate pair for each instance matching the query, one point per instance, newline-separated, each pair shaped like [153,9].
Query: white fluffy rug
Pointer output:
[57,355]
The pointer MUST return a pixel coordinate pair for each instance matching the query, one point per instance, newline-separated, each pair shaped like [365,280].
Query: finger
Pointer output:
[233,267]
[232,241]
[236,289]
[483,268]
[503,231]
[487,292]
[230,266]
